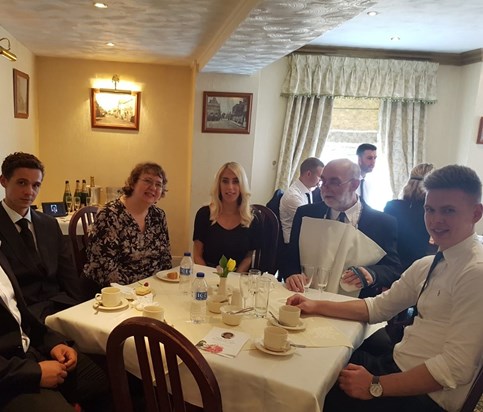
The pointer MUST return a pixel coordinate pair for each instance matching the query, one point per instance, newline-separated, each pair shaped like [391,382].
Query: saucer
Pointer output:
[98,305]
[301,325]
[163,276]
[260,347]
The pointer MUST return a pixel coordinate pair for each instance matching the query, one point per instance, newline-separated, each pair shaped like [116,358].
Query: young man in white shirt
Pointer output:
[299,193]
[434,365]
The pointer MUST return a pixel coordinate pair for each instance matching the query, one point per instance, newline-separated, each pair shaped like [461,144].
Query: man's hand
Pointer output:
[65,355]
[355,381]
[295,283]
[350,278]
[53,374]
[305,304]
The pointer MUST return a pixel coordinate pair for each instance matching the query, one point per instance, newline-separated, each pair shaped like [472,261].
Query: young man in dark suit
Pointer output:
[39,370]
[340,180]
[33,243]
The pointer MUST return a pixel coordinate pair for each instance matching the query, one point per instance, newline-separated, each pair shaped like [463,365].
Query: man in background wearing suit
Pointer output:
[33,243]
[39,370]
[340,180]
[366,158]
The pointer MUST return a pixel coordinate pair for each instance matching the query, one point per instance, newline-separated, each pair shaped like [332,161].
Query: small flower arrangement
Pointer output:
[225,266]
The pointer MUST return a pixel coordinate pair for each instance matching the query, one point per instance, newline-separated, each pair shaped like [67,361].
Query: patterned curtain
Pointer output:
[401,134]
[307,124]
[404,87]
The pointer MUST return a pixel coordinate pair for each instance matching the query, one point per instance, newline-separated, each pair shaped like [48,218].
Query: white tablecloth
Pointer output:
[64,225]
[252,381]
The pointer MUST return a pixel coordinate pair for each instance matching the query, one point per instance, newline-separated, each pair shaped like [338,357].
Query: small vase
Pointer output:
[222,287]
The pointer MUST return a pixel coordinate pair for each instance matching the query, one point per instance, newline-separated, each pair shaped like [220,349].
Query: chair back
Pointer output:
[266,256]
[274,203]
[474,394]
[148,334]
[79,242]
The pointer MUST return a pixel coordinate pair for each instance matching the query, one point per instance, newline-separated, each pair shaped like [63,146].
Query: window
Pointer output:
[355,121]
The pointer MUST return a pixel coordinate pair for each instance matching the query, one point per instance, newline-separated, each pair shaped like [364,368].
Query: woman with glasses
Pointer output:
[129,239]
[228,225]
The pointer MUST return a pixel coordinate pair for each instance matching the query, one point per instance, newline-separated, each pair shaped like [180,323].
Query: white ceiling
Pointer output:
[233,36]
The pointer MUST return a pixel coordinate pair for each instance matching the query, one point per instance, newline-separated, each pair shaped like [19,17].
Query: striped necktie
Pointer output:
[437,258]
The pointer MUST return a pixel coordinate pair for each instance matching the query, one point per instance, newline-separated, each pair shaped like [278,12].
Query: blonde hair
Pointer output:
[414,190]
[244,208]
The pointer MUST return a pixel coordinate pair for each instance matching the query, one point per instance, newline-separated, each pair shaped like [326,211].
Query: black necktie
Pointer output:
[27,236]
[341,217]
[308,198]
[362,189]
[437,258]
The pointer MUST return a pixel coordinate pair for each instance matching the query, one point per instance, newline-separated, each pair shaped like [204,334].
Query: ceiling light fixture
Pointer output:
[372,13]
[110,44]
[100,5]
[5,52]
[395,38]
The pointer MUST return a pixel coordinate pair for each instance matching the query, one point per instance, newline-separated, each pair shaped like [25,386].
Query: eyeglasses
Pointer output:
[149,183]
[334,183]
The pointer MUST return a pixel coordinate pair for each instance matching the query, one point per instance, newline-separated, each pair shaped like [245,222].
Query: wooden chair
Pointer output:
[474,394]
[266,257]
[79,242]
[148,334]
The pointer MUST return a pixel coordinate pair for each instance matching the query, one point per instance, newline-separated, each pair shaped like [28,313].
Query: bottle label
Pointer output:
[185,271]
[201,295]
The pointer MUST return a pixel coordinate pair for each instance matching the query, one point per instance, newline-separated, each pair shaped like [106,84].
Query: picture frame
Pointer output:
[479,138]
[225,112]
[115,109]
[21,82]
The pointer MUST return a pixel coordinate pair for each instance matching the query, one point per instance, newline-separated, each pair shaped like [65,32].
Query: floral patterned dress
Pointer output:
[119,252]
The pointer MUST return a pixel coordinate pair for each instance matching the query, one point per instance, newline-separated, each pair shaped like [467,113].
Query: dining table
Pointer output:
[253,380]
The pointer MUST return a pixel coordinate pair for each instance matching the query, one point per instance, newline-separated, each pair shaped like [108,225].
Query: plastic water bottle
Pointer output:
[185,271]
[198,302]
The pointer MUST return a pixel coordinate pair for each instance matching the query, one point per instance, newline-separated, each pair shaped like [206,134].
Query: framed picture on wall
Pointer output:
[226,112]
[115,109]
[479,138]
[20,94]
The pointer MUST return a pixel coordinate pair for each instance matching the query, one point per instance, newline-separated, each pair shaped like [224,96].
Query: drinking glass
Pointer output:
[88,201]
[68,203]
[245,281]
[309,272]
[254,274]
[264,285]
[76,203]
[323,279]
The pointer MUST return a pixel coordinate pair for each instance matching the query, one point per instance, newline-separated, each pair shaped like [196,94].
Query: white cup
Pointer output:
[154,311]
[109,297]
[275,339]
[289,315]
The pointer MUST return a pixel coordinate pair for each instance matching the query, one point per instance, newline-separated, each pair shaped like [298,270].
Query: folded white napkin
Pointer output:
[127,292]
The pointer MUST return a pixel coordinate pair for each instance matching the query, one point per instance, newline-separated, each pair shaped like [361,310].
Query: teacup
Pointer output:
[289,315]
[275,339]
[154,311]
[109,297]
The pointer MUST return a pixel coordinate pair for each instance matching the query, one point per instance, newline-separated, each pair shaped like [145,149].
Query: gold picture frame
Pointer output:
[20,94]
[115,109]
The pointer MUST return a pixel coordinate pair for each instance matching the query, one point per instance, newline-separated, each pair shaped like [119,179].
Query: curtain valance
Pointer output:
[399,80]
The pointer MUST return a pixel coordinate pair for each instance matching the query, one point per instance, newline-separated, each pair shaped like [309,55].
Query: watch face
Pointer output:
[376,390]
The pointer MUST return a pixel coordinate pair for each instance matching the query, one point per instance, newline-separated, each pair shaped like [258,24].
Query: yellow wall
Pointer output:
[71,149]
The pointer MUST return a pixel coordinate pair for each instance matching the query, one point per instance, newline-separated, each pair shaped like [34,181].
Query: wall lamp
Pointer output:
[5,52]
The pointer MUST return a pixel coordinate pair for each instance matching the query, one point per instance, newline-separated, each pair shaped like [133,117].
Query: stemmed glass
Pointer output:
[77,201]
[323,279]
[68,203]
[309,272]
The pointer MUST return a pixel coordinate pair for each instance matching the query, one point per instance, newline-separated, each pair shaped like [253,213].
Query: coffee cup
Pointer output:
[109,297]
[154,311]
[275,339]
[289,315]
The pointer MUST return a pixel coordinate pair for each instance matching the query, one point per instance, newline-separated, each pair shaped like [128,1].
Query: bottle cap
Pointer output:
[187,253]
[200,275]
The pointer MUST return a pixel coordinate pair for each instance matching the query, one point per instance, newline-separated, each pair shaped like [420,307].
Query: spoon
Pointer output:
[234,312]
[278,321]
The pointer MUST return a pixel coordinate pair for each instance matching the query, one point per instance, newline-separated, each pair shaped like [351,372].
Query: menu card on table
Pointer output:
[223,342]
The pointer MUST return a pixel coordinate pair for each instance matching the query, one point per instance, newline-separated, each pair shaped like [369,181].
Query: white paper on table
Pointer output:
[224,342]
[335,246]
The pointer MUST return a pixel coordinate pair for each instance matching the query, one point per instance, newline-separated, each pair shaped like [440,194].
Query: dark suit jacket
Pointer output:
[17,371]
[52,286]
[380,227]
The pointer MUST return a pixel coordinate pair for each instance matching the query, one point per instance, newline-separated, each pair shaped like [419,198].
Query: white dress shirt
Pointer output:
[292,199]
[8,296]
[448,335]
[353,214]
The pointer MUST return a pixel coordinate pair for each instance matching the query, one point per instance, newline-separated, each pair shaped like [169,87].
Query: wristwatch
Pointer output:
[376,388]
